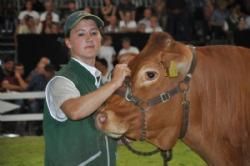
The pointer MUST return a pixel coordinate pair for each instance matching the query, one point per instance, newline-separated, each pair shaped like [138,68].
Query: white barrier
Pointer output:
[6,106]
[21,117]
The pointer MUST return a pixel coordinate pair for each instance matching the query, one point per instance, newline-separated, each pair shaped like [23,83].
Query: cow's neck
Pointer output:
[194,135]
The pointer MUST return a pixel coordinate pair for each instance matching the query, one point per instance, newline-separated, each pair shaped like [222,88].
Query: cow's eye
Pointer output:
[150,75]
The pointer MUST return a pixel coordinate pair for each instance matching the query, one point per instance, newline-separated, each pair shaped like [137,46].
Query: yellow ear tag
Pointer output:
[172,70]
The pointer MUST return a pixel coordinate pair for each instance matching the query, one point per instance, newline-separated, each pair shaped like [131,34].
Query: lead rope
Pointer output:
[166,156]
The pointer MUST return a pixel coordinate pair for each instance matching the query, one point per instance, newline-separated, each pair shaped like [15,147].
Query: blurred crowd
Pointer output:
[184,19]
[14,79]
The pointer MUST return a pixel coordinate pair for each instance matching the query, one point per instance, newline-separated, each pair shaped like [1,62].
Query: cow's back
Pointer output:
[220,90]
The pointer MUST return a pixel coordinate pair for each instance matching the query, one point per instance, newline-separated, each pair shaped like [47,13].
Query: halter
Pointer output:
[182,87]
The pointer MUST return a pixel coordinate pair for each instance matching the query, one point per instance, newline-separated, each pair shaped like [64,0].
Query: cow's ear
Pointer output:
[177,63]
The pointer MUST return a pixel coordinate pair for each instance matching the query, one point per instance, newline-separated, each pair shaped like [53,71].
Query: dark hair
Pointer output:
[50,68]
[19,64]
[126,39]
[7,59]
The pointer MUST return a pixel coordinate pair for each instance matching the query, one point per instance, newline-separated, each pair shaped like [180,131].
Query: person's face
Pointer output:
[28,5]
[19,69]
[31,22]
[113,20]
[84,40]
[153,21]
[126,44]
[147,13]
[127,16]
[9,66]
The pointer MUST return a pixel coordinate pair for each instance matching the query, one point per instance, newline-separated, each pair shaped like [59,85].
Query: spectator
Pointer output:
[232,22]
[107,52]
[141,28]
[218,19]
[15,82]
[146,19]
[128,24]
[159,9]
[208,10]
[108,10]
[55,28]
[242,24]
[127,48]
[6,70]
[178,23]
[30,12]
[39,68]
[67,10]
[247,20]
[49,9]
[124,6]
[154,25]
[46,25]
[38,83]
[28,27]
[112,26]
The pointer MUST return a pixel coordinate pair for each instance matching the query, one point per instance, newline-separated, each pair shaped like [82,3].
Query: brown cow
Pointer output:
[216,81]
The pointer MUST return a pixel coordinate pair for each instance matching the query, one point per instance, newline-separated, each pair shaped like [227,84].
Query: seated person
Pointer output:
[154,25]
[6,69]
[15,81]
[127,47]
[128,24]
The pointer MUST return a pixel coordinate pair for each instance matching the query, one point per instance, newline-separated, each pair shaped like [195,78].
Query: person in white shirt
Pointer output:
[154,25]
[107,52]
[127,47]
[49,8]
[128,24]
[247,22]
[146,17]
[112,26]
[28,11]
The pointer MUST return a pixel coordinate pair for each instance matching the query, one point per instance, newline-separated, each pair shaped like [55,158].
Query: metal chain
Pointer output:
[149,153]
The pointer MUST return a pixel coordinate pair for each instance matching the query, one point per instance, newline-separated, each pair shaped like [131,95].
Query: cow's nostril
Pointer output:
[102,117]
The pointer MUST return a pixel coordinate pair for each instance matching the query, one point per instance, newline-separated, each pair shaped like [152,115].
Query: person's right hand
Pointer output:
[120,72]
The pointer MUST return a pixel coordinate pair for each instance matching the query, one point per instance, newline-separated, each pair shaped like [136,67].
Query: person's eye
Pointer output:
[94,33]
[81,34]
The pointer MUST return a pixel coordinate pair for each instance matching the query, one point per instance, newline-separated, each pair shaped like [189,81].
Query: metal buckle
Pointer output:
[164,97]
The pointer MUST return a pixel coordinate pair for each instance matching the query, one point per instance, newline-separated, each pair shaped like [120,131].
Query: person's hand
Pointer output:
[17,75]
[120,72]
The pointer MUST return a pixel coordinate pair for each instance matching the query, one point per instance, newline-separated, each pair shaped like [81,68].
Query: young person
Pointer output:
[73,96]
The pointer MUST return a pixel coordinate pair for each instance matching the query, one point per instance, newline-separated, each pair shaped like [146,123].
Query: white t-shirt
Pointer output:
[59,89]
[130,24]
[248,22]
[32,13]
[150,29]
[107,53]
[131,49]
[55,17]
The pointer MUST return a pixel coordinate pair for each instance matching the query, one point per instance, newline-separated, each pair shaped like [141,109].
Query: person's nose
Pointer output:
[88,37]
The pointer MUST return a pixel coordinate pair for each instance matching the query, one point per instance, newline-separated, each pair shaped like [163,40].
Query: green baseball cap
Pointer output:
[74,18]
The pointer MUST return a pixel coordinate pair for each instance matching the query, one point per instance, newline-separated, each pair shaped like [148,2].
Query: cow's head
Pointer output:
[159,67]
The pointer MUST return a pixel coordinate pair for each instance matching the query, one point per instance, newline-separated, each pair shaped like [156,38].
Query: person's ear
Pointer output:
[67,42]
